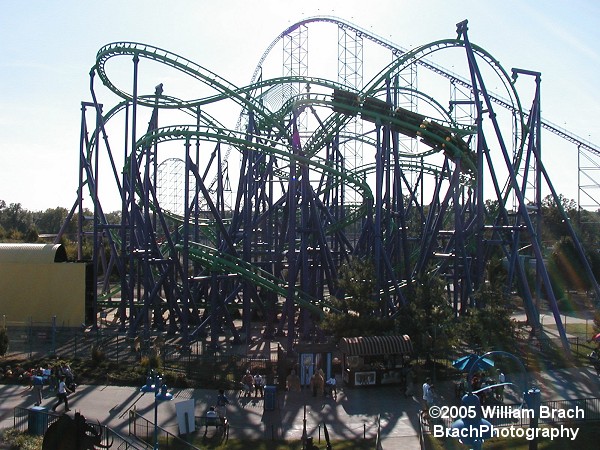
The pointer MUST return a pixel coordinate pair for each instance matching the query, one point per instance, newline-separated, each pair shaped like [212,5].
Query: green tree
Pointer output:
[357,280]
[489,326]
[15,220]
[31,235]
[428,317]
[569,271]
[51,220]
[553,221]
[357,302]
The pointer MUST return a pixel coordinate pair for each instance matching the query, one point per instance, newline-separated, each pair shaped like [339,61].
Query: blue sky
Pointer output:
[48,47]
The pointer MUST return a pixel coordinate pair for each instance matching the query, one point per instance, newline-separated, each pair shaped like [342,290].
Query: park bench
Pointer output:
[221,425]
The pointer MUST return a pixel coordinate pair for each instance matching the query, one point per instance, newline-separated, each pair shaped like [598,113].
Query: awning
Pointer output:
[376,345]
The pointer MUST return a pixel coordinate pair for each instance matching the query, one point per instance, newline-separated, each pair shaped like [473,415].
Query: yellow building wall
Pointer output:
[40,291]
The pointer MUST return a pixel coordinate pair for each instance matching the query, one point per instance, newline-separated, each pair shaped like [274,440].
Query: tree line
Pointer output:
[18,224]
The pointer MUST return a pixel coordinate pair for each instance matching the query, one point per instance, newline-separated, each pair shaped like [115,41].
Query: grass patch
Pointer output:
[14,439]
[583,330]
[240,444]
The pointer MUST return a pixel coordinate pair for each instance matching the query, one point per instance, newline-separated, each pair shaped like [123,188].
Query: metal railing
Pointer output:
[554,412]
[143,429]
[31,421]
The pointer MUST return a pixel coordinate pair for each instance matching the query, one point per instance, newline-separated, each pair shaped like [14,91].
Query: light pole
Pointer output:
[154,384]
[477,428]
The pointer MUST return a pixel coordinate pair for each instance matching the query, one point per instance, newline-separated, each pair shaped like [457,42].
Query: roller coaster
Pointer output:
[195,257]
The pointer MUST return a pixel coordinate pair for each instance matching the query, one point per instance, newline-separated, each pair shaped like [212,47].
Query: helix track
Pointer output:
[273,246]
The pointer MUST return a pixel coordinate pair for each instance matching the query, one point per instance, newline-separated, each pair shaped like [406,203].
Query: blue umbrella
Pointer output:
[465,363]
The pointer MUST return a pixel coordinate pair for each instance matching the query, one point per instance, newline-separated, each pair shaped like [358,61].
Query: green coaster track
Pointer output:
[273,246]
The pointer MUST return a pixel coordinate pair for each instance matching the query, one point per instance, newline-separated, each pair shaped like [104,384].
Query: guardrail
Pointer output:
[143,429]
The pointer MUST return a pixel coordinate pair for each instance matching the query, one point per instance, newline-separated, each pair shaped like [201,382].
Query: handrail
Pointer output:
[148,426]
[590,408]
[21,422]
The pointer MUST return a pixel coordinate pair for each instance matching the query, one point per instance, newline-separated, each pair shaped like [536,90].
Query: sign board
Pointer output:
[185,416]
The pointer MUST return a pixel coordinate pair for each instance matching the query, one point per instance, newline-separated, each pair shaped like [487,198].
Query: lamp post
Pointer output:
[478,429]
[473,430]
[154,384]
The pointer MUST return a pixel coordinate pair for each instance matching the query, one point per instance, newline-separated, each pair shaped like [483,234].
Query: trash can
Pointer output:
[270,397]
[37,420]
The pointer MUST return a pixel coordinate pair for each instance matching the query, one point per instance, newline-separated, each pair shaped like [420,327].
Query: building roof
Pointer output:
[32,253]
[376,345]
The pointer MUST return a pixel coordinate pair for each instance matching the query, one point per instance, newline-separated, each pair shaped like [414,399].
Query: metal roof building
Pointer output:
[38,285]
[32,253]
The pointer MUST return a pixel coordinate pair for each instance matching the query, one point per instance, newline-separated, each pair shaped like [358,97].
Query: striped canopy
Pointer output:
[376,345]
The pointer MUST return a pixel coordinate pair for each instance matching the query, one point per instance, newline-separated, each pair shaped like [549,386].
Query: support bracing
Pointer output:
[326,171]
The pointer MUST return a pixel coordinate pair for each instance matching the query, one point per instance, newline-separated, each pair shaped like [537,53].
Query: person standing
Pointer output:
[292,382]
[259,383]
[37,382]
[63,392]
[500,391]
[427,394]
[247,383]
[411,377]
[317,383]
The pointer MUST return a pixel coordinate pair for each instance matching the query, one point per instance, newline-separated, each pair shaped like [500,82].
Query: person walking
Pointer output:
[63,392]
[222,402]
[37,382]
[427,398]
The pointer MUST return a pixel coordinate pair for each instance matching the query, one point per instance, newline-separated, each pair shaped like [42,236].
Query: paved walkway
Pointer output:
[352,415]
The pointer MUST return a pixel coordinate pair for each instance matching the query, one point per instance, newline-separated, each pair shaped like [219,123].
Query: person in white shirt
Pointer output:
[500,389]
[211,419]
[63,392]
[259,383]
[211,413]
[427,394]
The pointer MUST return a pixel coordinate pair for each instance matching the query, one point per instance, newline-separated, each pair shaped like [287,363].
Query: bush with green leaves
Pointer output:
[97,354]
[16,439]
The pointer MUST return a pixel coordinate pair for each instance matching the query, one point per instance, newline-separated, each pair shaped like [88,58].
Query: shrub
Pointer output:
[151,362]
[98,355]
[175,379]
[17,439]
